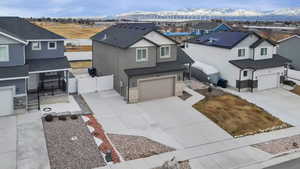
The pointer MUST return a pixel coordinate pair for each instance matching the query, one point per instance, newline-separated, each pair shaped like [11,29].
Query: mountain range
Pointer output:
[215,13]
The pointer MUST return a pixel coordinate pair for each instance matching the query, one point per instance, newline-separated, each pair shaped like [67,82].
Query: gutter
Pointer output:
[240,81]
[128,82]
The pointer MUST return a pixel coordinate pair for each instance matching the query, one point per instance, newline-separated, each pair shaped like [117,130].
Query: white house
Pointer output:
[246,60]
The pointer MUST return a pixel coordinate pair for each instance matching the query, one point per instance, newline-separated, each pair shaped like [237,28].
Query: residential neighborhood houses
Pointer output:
[222,99]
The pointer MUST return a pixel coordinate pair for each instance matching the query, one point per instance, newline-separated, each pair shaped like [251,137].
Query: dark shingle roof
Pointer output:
[182,57]
[207,25]
[36,65]
[259,41]
[125,34]
[24,30]
[13,72]
[221,39]
[276,61]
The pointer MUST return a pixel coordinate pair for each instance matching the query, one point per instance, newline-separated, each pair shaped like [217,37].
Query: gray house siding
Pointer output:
[19,84]
[173,55]
[291,50]
[16,55]
[45,53]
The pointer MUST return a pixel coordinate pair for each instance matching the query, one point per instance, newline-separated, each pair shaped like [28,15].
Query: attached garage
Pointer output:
[155,88]
[268,81]
[7,98]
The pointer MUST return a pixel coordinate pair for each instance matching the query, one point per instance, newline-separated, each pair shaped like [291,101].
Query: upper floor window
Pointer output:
[36,46]
[264,51]
[4,54]
[51,45]
[241,52]
[165,52]
[245,73]
[141,54]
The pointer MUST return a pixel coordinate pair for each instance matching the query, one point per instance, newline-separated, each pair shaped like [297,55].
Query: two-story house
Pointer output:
[145,63]
[290,48]
[31,58]
[246,60]
[204,28]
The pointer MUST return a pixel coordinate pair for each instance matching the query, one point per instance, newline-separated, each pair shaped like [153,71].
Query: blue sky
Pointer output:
[65,8]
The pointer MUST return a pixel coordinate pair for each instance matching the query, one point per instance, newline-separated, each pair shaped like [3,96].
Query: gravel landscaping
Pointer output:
[182,165]
[280,145]
[136,147]
[70,145]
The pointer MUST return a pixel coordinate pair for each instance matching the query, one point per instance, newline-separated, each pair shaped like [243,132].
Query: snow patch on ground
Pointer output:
[207,69]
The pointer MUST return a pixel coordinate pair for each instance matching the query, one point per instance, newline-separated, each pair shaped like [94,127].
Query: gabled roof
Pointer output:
[275,61]
[40,65]
[259,41]
[208,25]
[125,34]
[24,30]
[227,40]
[288,38]
[14,72]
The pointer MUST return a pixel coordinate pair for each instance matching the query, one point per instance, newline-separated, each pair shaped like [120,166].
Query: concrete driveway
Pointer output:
[170,121]
[279,102]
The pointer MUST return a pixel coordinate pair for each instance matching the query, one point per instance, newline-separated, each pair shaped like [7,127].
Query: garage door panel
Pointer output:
[6,101]
[156,88]
[268,81]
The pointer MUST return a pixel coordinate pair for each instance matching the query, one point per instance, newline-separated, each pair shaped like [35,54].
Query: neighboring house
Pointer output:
[179,36]
[290,48]
[204,28]
[31,58]
[244,59]
[145,63]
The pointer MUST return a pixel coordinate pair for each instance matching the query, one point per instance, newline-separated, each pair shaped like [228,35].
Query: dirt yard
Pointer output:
[70,30]
[78,49]
[296,90]
[236,115]
[81,64]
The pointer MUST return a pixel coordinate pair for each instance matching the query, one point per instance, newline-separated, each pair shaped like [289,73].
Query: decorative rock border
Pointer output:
[101,139]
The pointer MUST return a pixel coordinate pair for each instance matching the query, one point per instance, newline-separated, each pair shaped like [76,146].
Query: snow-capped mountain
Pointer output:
[224,13]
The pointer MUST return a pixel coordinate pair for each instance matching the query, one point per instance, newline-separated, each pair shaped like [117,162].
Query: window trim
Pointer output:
[167,56]
[243,49]
[136,55]
[40,45]
[49,48]
[261,52]
[7,50]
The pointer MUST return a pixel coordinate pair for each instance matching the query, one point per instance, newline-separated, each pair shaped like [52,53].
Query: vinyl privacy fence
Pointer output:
[96,84]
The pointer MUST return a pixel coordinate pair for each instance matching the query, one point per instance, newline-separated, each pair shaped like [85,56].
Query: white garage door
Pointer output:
[6,101]
[268,81]
[156,88]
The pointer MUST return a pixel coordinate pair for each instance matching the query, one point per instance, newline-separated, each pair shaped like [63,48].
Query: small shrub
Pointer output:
[49,118]
[289,83]
[74,117]
[63,118]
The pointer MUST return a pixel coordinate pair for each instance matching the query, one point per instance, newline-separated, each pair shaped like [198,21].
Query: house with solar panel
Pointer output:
[204,28]
[246,60]
[32,62]
[145,63]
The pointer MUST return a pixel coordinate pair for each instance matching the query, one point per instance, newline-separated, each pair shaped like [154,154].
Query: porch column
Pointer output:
[67,82]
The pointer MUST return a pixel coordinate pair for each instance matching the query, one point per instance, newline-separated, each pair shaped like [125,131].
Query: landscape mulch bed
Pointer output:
[296,90]
[100,133]
[280,145]
[70,145]
[236,115]
[135,147]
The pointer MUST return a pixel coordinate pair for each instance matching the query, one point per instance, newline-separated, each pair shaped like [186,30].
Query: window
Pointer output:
[263,51]
[165,52]
[36,45]
[141,54]
[51,45]
[4,54]
[241,52]
[245,73]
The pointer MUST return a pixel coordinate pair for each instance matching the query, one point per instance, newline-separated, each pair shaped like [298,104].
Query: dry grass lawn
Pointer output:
[81,64]
[237,116]
[296,90]
[71,30]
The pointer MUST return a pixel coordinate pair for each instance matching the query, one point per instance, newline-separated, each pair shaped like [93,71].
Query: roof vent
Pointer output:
[212,40]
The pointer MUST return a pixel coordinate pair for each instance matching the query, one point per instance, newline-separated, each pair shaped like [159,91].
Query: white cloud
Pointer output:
[7,11]
[60,2]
